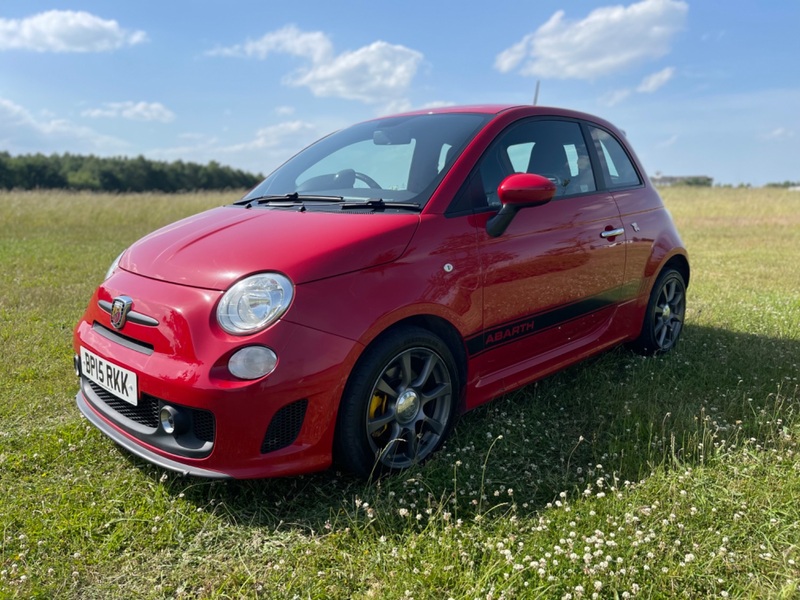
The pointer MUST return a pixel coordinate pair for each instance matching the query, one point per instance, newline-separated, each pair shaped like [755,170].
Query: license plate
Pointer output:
[112,378]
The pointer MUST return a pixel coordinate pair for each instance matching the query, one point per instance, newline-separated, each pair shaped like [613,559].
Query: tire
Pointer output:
[399,403]
[663,321]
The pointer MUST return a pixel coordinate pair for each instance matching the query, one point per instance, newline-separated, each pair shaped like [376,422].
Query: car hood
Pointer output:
[214,249]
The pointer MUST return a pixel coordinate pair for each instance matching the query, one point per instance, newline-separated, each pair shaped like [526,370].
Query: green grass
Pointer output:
[676,476]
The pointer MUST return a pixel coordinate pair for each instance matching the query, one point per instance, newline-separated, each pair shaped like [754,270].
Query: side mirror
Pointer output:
[520,190]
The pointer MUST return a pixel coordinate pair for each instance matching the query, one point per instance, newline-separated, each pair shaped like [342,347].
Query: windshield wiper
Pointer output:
[380,203]
[286,199]
[294,199]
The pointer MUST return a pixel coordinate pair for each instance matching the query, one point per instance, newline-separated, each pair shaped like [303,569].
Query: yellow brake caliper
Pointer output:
[377,407]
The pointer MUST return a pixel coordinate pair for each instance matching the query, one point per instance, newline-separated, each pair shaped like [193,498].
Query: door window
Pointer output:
[553,149]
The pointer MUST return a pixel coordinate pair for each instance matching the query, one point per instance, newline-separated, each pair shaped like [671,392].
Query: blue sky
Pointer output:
[700,87]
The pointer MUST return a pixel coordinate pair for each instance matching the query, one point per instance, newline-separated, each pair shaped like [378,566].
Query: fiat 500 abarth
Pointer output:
[387,278]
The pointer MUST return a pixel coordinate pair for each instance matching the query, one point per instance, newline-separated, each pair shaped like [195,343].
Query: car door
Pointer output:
[640,207]
[551,279]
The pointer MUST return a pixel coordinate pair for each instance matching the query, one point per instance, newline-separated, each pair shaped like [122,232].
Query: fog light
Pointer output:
[252,362]
[172,421]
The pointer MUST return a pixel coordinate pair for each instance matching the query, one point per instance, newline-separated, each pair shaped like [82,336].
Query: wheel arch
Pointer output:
[680,263]
[440,328]
[645,343]
[448,334]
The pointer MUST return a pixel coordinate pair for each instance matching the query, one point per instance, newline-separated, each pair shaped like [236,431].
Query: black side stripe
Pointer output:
[536,323]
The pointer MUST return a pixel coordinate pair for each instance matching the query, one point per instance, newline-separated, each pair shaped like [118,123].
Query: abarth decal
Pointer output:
[529,325]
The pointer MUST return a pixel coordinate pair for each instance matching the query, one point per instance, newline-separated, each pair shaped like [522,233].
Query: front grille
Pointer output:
[145,413]
[284,427]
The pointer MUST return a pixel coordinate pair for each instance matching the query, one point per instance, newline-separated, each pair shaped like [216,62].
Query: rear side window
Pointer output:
[617,166]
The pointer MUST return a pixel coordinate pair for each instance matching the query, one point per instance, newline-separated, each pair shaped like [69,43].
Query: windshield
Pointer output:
[399,159]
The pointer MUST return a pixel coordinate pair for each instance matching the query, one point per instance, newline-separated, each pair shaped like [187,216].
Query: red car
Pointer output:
[387,278]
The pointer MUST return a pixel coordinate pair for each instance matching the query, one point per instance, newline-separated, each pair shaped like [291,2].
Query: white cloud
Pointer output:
[652,82]
[608,40]
[134,111]
[668,142]
[284,111]
[21,133]
[198,138]
[779,133]
[615,97]
[510,58]
[713,36]
[405,105]
[313,45]
[374,73]
[379,73]
[66,31]
[277,136]
[648,85]
[438,104]
[270,147]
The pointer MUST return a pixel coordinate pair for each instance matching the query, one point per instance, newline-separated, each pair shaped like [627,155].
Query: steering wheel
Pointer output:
[368,180]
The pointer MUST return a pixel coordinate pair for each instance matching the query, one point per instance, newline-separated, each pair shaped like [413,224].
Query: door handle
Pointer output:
[612,233]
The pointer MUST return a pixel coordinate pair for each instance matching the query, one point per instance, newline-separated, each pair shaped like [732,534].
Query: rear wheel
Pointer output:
[399,403]
[666,309]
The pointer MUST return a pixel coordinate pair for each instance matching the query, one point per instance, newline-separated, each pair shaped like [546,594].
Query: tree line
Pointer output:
[784,184]
[117,174]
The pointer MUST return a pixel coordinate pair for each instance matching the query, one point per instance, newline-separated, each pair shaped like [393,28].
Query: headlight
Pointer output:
[254,303]
[114,266]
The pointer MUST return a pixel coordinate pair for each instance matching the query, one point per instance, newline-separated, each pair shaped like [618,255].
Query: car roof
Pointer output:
[510,109]
[471,108]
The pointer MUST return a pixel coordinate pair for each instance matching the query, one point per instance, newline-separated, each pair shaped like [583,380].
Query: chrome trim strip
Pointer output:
[139,451]
[133,316]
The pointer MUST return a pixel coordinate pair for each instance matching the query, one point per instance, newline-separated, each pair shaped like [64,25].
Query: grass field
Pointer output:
[623,477]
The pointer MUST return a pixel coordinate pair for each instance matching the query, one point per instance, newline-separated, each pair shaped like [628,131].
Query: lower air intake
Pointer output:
[284,427]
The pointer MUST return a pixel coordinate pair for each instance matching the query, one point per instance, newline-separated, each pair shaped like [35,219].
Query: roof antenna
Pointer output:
[536,93]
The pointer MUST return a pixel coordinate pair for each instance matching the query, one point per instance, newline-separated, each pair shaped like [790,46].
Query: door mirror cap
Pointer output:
[526,189]
[517,191]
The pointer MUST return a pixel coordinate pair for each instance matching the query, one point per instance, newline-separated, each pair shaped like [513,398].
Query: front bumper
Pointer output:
[281,424]
[137,448]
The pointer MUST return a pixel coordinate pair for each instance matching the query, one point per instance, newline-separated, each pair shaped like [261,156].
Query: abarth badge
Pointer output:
[119,311]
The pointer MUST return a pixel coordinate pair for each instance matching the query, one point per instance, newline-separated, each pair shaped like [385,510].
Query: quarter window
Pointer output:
[617,165]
